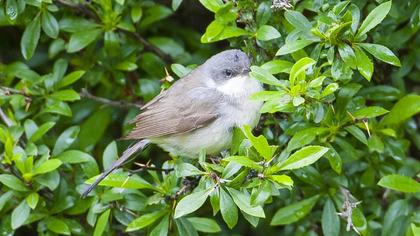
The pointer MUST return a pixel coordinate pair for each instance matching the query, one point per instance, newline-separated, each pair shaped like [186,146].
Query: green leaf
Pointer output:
[303,157]
[20,214]
[244,161]
[185,227]
[293,46]
[123,181]
[374,18]
[101,223]
[381,52]
[47,166]
[74,157]
[205,225]
[263,14]
[65,139]
[400,183]
[180,70]
[162,228]
[70,78]
[212,5]
[32,200]
[267,32]
[30,38]
[153,14]
[145,220]
[364,64]
[243,201]
[359,221]
[369,112]
[264,76]
[294,212]
[57,225]
[11,9]
[304,137]
[41,131]
[228,209]
[5,198]
[357,133]
[300,67]
[50,24]
[136,13]
[217,31]
[110,155]
[13,182]
[277,66]
[81,39]
[259,143]
[66,95]
[347,54]
[405,108]
[330,221]
[191,203]
[126,66]
[331,88]
[187,169]
[298,20]
[176,4]
[282,179]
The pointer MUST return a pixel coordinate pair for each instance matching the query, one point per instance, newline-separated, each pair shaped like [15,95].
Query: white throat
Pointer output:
[241,86]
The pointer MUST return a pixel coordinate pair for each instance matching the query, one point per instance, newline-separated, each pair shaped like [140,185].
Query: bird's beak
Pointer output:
[246,71]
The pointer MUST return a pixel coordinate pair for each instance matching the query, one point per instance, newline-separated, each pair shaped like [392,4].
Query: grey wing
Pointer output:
[175,113]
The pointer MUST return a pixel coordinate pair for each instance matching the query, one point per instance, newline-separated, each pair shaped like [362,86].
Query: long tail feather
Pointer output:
[127,153]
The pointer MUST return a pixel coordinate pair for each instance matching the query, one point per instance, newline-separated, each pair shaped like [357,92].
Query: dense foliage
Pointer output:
[334,153]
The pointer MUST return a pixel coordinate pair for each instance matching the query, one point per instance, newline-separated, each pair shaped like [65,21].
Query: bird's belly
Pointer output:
[238,110]
[212,138]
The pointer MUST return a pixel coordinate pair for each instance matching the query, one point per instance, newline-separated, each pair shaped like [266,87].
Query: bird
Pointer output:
[198,112]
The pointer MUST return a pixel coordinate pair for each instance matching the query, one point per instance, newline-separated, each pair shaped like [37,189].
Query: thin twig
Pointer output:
[121,104]
[91,14]
[148,167]
[148,46]
[5,119]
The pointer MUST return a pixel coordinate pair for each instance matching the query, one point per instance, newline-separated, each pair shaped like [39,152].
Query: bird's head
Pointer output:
[227,65]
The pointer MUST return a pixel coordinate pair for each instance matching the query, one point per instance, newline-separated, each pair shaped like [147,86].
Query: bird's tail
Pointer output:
[140,145]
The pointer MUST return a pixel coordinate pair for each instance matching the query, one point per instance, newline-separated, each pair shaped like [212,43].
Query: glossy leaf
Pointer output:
[30,38]
[293,46]
[303,157]
[228,209]
[294,212]
[405,108]
[191,203]
[381,52]
[267,32]
[374,18]
[400,183]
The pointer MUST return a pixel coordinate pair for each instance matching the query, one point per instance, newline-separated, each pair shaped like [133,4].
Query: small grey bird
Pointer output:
[199,111]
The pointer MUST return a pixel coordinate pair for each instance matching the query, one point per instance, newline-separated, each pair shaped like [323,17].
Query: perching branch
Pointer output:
[121,104]
[91,14]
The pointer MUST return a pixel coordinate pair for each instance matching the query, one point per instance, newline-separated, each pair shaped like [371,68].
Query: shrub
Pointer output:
[334,153]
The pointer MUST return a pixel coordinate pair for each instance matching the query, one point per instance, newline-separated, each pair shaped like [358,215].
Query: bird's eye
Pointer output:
[228,73]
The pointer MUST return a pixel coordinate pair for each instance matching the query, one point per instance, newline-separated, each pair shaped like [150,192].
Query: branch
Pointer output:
[121,104]
[89,13]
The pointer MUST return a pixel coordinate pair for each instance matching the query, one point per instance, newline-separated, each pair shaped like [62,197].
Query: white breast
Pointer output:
[238,110]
